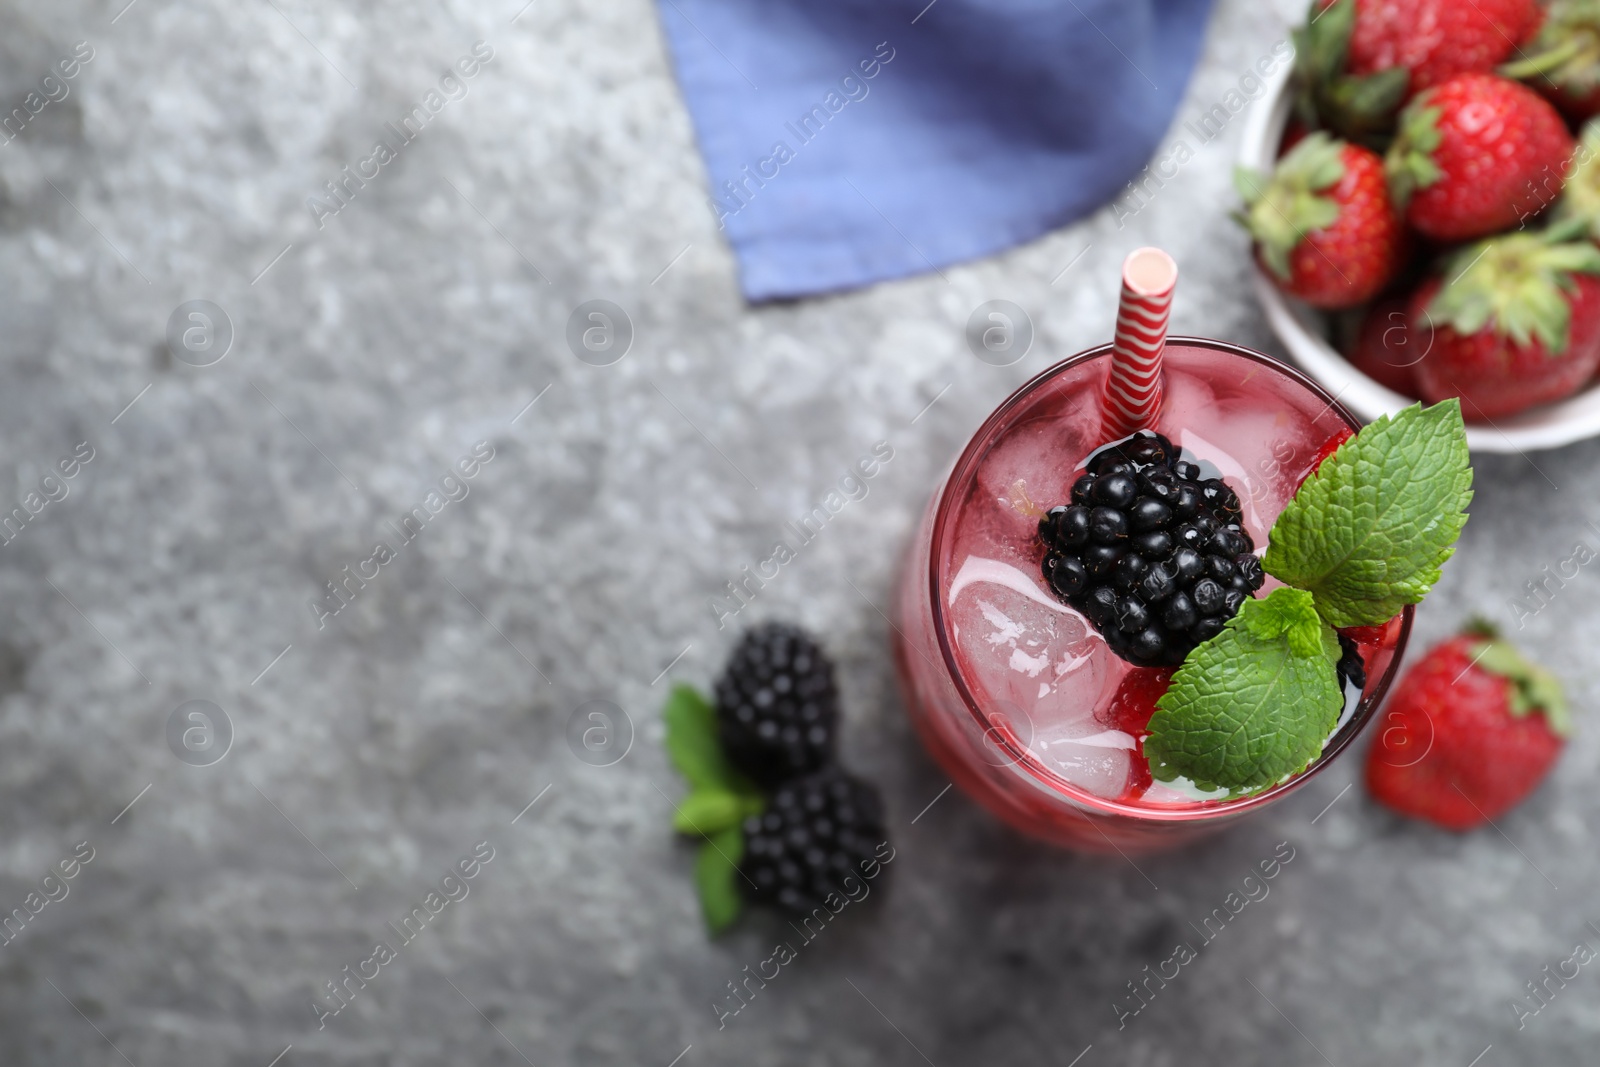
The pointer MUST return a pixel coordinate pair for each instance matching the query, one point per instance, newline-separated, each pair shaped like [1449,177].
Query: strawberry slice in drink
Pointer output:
[1129,710]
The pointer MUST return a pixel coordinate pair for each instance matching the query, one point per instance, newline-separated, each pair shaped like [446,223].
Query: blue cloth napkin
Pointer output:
[851,141]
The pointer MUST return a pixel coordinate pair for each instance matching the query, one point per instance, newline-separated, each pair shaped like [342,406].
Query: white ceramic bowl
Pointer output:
[1303,329]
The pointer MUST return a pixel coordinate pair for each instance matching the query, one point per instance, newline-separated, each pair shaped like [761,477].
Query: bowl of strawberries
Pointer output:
[1422,191]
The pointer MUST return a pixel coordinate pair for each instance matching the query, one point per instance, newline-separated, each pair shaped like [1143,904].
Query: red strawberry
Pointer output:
[1435,39]
[1476,154]
[1516,324]
[1357,60]
[1561,57]
[1324,226]
[1326,95]
[1469,732]
[1130,710]
[1365,642]
[1329,447]
[1373,636]
[1385,347]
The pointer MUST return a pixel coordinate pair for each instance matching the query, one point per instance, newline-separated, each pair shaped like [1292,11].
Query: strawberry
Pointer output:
[1436,39]
[1369,635]
[1516,324]
[1329,447]
[1129,711]
[1359,59]
[1323,225]
[1476,154]
[1469,732]
[1386,349]
[1561,58]
[1360,108]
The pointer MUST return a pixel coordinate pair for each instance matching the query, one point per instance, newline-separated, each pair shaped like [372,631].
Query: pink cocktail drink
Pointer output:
[1015,692]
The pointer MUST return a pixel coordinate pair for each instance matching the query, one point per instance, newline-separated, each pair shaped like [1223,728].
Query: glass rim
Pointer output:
[962,473]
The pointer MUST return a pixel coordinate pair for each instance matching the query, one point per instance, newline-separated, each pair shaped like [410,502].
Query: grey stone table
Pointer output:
[366,353]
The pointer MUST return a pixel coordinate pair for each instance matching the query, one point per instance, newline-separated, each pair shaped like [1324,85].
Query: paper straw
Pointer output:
[1133,388]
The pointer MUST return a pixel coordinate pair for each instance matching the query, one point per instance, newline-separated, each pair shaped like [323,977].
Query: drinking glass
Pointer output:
[1009,687]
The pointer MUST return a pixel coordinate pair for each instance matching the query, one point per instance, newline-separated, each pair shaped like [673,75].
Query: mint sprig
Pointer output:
[708,812]
[1252,705]
[716,878]
[1364,536]
[719,801]
[1369,531]
[692,742]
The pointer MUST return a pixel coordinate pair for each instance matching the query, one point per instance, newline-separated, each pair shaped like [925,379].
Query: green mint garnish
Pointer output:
[1364,536]
[719,801]
[1252,705]
[692,738]
[716,877]
[711,811]
[1368,532]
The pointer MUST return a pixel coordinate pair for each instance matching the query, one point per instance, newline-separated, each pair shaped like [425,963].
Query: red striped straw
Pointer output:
[1133,389]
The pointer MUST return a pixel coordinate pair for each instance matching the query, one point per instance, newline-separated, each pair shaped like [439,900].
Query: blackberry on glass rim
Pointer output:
[1151,550]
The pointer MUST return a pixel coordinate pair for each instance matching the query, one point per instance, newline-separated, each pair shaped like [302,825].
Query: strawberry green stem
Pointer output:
[1281,211]
[1516,285]
[1533,689]
[1565,52]
[1545,62]
[1409,164]
[1578,210]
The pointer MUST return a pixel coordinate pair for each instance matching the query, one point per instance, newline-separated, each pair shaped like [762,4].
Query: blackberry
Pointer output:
[816,831]
[1152,551]
[777,704]
[1352,669]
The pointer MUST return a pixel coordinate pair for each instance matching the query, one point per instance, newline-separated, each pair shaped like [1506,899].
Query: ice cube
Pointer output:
[1022,477]
[1097,763]
[1282,449]
[1026,654]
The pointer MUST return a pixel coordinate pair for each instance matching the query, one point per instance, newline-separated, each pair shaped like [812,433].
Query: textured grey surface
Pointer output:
[428,713]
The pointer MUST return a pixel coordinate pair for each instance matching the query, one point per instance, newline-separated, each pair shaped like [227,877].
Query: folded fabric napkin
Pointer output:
[850,141]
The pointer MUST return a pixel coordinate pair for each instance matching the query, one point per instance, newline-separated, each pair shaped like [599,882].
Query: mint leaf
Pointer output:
[692,740]
[708,810]
[719,796]
[716,878]
[1368,532]
[1289,613]
[719,800]
[1252,705]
